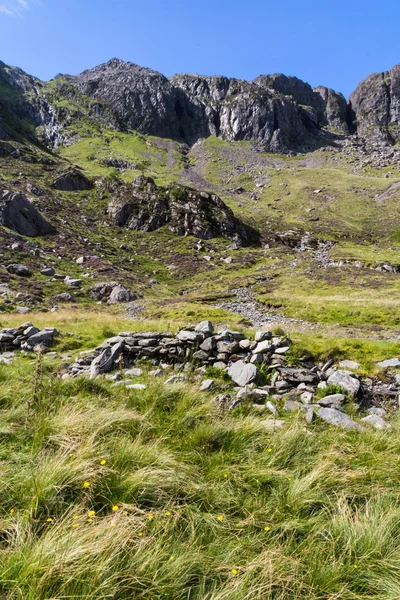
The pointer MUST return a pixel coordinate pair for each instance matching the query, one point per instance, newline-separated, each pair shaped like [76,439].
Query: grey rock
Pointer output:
[205,327]
[243,373]
[72,181]
[336,417]
[207,385]
[106,360]
[376,410]
[102,289]
[185,211]
[5,338]
[272,408]
[200,356]
[209,345]
[390,363]
[334,400]
[376,422]
[375,104]
[18,269]
[219,365]
[134,372]
[190,336]
[308,414]
[292,406]
[73,283]
[345,380]
[29,331]
[261,336]
[42,337]
[349,364]
[19,215]
[136,386]
[262,347]
[120,293]
[48,271]
[307,397]
[64,297]
[23,310]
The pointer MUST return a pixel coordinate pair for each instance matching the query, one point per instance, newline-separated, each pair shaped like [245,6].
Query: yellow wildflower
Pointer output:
[115,507]
[225,475]
[171,557]
[356,566]
[168,513]
[140,534]
[49,520]
[267,528]
[103,462]
[86,484]
[234,571]
[269,449]
[91,513]
[150,516]
[12,510]
[220,518]
[74,525]
[89,520]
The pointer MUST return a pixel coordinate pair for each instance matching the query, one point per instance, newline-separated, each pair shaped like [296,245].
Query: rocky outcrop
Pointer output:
[323,105]
[189,107]
[145,206]
[24,107]
[18,214]
[72,181]
[112,291]
[376,106]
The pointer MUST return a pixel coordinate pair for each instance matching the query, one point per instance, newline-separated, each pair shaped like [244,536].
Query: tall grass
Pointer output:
[157,495]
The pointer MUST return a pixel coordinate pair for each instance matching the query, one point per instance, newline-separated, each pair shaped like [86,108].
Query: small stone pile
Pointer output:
[27,337]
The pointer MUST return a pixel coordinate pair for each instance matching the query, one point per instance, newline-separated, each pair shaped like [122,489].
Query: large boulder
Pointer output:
[72,181]
[120,293]
[113,291]
[145,206]
[18,214]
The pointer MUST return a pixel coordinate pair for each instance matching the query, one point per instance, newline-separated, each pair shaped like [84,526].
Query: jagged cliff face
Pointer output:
[376,106]
[281,113]
[24,107]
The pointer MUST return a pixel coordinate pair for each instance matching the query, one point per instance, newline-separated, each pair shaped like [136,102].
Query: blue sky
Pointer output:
[335,44]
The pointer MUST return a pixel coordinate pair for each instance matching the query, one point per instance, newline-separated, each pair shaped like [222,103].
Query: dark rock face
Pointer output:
[189,107]
[143,99]
[376,106]
[72,181]
[323,105]
[23,106]
[18,214]
[147,207]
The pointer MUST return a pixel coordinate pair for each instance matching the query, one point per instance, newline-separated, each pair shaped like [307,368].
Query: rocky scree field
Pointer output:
[146,451]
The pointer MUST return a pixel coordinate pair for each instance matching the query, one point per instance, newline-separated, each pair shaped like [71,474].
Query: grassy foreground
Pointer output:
[157,494]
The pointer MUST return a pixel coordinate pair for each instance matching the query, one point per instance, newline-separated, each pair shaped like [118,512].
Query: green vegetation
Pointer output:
[114,493]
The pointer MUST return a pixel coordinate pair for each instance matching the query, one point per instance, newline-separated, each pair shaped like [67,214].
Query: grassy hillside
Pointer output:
[114,493]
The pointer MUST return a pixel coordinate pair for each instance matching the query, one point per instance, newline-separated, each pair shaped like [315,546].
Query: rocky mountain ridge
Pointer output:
[281,113]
